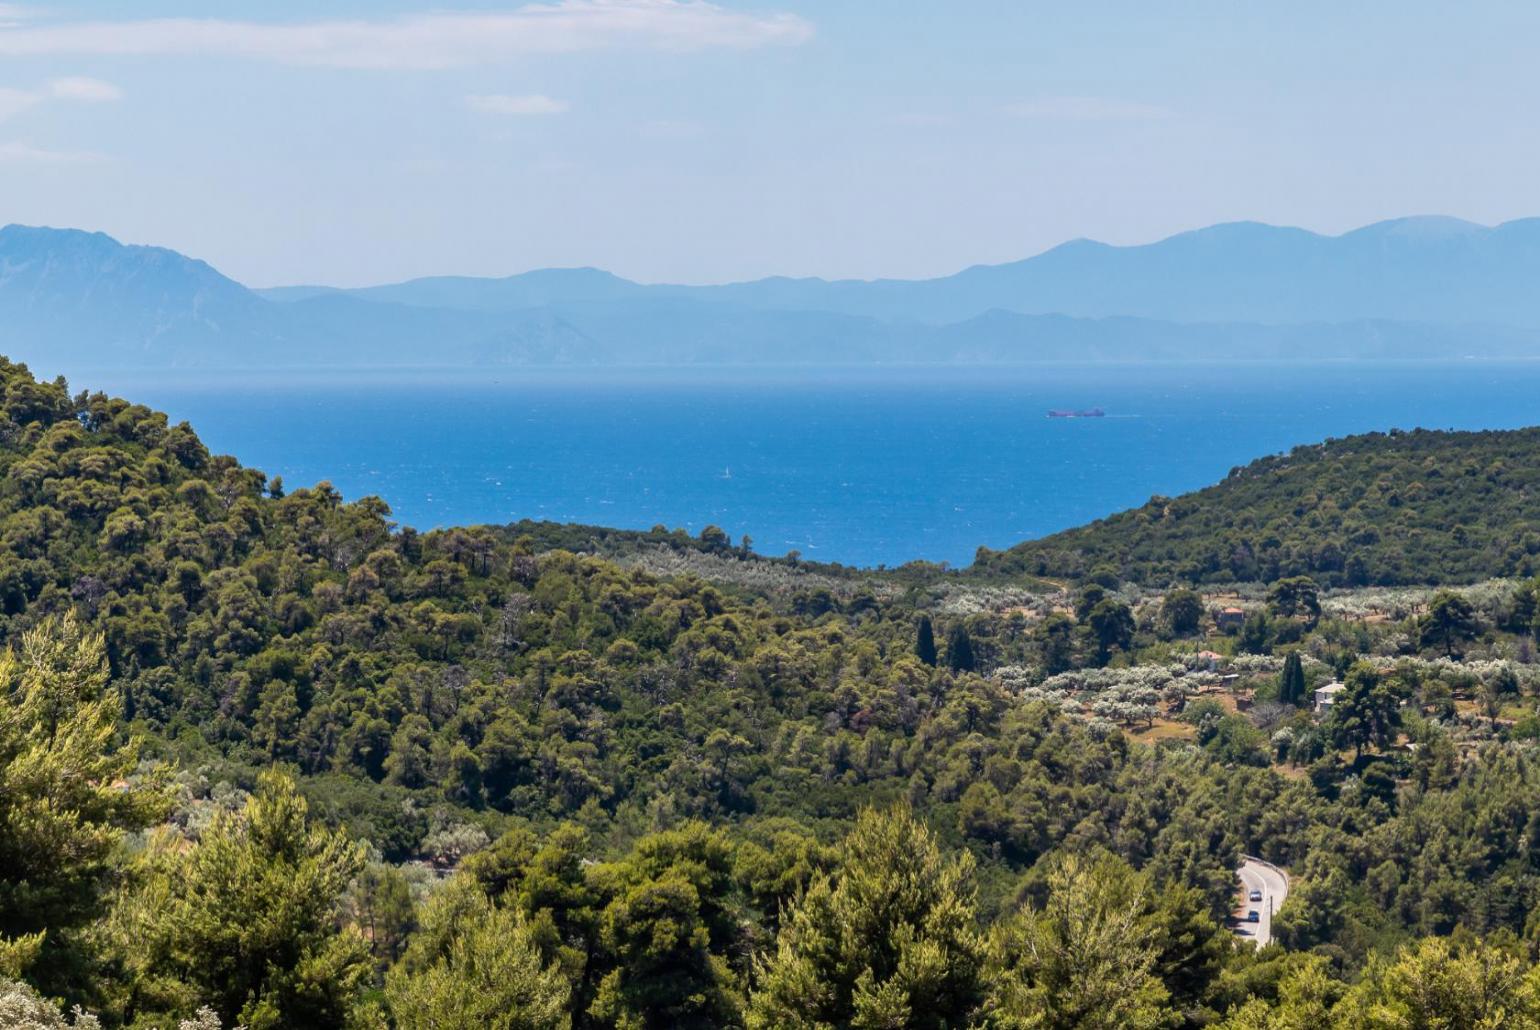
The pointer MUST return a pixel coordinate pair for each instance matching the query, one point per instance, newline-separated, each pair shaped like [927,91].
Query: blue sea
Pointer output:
[860,466]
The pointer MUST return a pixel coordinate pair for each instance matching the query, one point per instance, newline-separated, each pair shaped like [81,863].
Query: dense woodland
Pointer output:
[1380,509]
[268,759]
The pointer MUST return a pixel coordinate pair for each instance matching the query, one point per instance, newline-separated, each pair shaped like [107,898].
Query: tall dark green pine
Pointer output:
[925,641]
[1291,683]
[959,650]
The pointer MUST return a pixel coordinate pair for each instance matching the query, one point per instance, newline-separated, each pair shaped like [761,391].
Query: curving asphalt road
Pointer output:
[1274,884]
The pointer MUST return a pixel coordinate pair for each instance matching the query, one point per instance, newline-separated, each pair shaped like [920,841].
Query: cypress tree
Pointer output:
[1291,682]
[925,641]
[959,650]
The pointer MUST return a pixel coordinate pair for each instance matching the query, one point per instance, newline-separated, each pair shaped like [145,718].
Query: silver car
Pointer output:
[1255,895]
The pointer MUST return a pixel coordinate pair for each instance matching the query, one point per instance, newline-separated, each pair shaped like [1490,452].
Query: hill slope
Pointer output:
[1397,508]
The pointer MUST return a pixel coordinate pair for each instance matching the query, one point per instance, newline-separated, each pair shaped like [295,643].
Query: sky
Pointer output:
[355,142]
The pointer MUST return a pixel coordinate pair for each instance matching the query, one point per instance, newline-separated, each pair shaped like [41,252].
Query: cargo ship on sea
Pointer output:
[1076,413]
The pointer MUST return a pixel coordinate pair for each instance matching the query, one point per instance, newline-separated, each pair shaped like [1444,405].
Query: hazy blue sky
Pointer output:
[353,142]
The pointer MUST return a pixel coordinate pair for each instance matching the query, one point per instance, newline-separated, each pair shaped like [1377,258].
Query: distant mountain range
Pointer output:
[1413,288]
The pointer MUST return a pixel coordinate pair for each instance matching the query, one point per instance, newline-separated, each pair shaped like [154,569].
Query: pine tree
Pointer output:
[1368,712]
[1306,994]
[925,641]
[669,919]
[247,920]
[65,797]
[959,650]
[1450,622]
[476,964]
[380,904]
[1087,958]
[1446,982]
[1296,596]
[886,941]
[1112,625]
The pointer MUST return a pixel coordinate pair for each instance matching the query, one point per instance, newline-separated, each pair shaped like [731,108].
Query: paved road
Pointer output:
[1274,885]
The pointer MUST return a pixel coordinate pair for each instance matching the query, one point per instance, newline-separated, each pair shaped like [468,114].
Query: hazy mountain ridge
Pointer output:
[1429,268]
[1412,288]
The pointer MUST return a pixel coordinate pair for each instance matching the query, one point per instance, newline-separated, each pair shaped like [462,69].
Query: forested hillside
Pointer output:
[267,758]
[1415,507]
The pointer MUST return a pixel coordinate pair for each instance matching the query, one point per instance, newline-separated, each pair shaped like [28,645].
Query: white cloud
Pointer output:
[427,41]
[19,153]
[15,101]
[497,103]
[1086,109]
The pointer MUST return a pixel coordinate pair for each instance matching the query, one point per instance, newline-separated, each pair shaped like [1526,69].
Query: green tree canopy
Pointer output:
[1420,507]
[246,920]
[925,641]
[886,941]
[1450,623]
[1295,597]
[959,650]
[1181,612]
[68,794]
[1086,959]
[669,920]
[475,964]
[1306,994]
[1291,681]
[1368,712]
[1443,982]
[1112,626]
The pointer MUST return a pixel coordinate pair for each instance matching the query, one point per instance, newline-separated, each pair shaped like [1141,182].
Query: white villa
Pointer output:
[1326,696]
